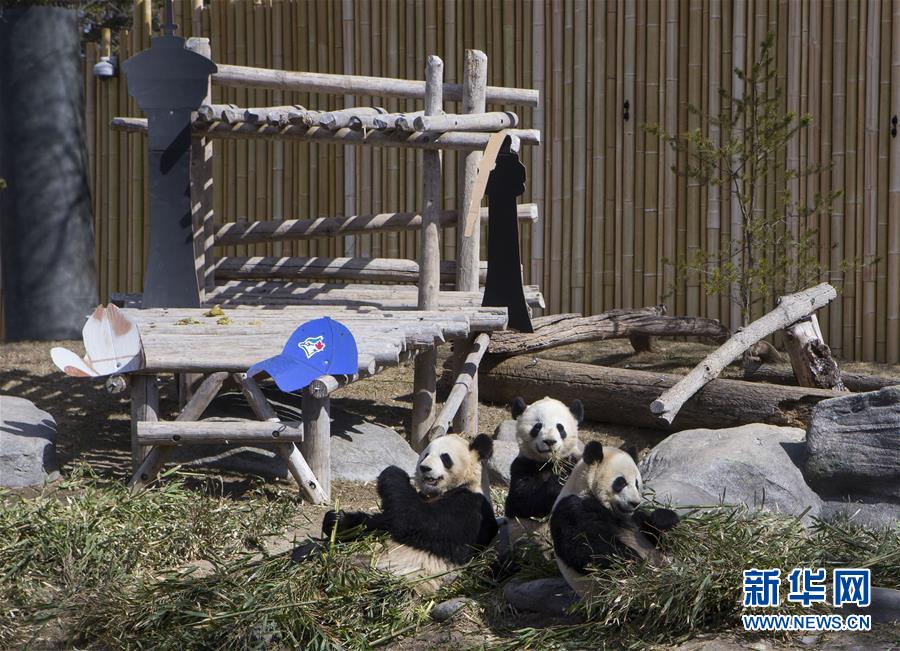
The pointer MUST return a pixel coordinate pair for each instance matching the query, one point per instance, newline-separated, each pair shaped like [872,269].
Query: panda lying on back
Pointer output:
[547,432]
[436,529]
[595,517]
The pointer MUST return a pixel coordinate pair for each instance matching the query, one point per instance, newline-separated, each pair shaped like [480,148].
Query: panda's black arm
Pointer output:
[347,525]
[584,533]
[531,492]
[450,526]
[653,523]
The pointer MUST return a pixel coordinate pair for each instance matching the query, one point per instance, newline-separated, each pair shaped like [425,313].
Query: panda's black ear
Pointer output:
[577,410]
[483,446]
[593,453]
[518,406]
[632,451]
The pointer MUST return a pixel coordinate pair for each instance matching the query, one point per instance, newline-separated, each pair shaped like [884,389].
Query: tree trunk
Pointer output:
[637,325]
[49,275]
[811,357]
[612,395]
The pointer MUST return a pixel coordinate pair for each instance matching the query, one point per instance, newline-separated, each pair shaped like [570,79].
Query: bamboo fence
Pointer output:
[611,210]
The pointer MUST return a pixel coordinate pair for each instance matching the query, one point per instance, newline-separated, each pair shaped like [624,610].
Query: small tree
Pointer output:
[765,257]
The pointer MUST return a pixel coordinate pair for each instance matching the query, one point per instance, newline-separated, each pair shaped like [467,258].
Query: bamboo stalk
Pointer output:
[579,159]
[870,211]
[892,354]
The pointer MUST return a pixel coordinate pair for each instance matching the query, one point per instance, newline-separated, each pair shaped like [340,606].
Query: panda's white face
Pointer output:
[449,462]
[615,481]
[547,428]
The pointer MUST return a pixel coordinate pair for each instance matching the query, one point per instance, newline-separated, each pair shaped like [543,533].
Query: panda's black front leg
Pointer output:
[346,525]
[532,492]
[656,522]
[395,490]
[584,533]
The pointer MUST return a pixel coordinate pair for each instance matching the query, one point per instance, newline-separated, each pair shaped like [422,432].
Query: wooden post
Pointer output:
[468,247]
[316,446]
[202,192]
[144,406]
[314,490]
[425,378]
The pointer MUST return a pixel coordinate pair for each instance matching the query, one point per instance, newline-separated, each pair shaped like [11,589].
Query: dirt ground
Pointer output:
[94,428]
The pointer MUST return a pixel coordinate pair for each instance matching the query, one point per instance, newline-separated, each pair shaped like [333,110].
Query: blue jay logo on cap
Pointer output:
[312,345]
[319,347]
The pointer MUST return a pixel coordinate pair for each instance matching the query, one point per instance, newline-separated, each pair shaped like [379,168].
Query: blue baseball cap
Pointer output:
[319,347]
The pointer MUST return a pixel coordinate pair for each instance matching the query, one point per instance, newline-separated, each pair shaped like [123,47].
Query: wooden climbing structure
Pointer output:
[397,310]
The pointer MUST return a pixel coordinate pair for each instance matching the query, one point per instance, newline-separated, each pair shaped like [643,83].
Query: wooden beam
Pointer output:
[450,140]
[466,379]
[208,432]
[790,309]
[202,397]
[244,76]
[467,122]
[244,232]
[391,270]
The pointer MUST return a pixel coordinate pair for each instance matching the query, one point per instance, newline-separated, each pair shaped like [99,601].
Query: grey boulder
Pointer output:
[550,596]
[498,466]
[874,515]
[27,444]
[757,465]
[854,445]
[359,452]
[505,431]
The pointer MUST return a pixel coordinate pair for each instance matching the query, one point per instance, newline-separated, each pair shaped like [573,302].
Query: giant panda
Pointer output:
[596,516]
[547,434]
[436,529]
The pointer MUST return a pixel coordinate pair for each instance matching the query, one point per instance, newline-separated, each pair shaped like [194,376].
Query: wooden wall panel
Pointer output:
[612,211]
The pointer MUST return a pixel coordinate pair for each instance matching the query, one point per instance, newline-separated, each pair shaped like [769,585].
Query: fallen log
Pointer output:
[855,382]
[562,329]
[620,396]
[790,309]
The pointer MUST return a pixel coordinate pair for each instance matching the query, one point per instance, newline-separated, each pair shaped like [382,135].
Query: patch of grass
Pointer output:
[329,602]
[89,534]
[700,590]
[114,569]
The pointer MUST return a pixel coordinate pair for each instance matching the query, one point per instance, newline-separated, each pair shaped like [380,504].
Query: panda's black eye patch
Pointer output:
[536,429]
[447,461]
[619,484]
[562,430]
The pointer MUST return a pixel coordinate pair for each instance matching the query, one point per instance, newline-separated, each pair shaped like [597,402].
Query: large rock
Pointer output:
[506,431]
[854,445]
[359,452]
[498,466]
[550,596]
[875,515]
[756,465]
[27,444]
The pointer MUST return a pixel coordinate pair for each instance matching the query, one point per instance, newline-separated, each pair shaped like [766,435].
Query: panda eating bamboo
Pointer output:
[435,530]
[596,516]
